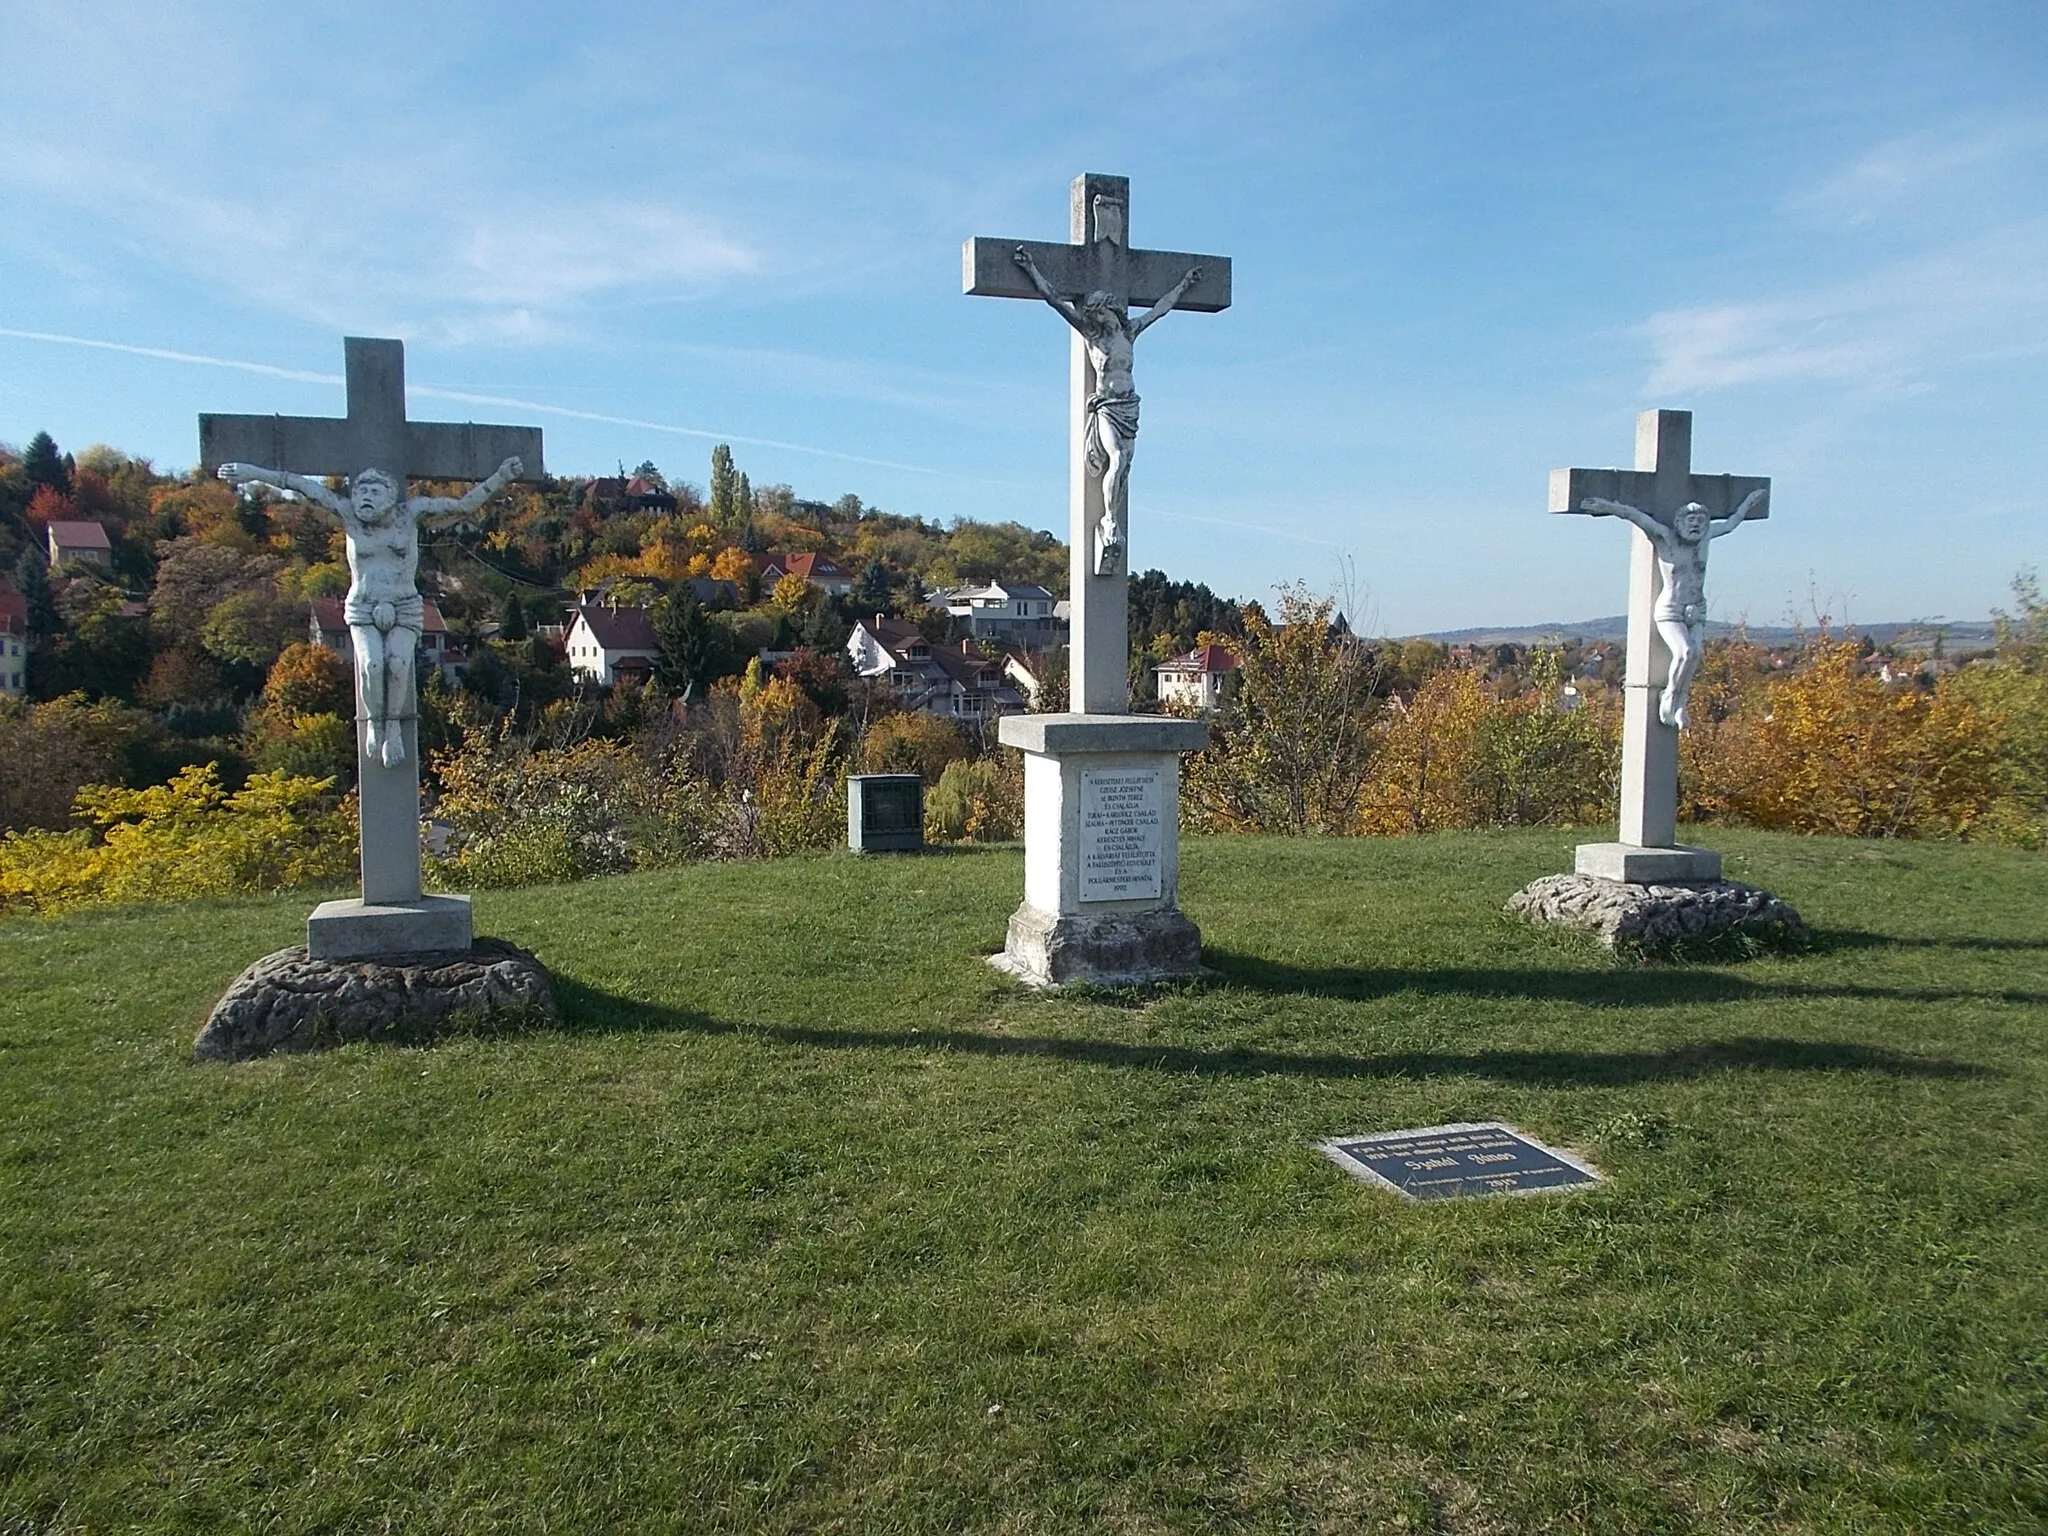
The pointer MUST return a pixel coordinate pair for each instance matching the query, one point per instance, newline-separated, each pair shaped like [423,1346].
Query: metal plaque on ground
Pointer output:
[1440,1162]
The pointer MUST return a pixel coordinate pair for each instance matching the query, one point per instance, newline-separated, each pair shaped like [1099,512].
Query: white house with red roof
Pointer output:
[326,626]
[607,643]
[80,540]
[1198,679]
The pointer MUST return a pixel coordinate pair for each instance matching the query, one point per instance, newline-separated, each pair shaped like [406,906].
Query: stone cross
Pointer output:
[1100,263]
[375,435]
[1663,487]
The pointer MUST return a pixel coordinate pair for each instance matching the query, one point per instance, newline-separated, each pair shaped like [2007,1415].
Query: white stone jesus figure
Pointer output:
[384,609]
[1680,613]
[1108,331]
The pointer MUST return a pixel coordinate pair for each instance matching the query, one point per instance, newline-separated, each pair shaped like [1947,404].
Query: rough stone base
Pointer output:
[288,1001]
[1655,917]
[1113,949]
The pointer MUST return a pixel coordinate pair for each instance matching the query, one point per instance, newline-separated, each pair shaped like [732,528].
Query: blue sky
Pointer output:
[1470,242]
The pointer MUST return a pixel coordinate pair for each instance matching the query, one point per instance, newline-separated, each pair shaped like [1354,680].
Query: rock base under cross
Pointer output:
[288,1001]
[1120,949]
[1651,918]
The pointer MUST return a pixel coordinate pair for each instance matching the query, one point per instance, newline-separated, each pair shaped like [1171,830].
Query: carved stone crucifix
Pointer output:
[1093,283]
[1675,513]
[378,449]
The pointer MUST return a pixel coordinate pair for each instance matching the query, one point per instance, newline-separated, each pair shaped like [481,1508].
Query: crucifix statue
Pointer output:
[1680,612]
[384,609]
[1109,333]
[1093,283]
[1676,513]
[378,450]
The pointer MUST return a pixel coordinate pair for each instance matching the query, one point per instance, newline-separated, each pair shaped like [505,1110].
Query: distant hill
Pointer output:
[1957,637]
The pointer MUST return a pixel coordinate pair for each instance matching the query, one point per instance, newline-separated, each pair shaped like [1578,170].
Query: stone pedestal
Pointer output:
[1633,864]
[360,930]
[1101,851]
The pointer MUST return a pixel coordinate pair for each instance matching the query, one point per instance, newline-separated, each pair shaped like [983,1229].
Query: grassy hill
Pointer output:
[806,1221]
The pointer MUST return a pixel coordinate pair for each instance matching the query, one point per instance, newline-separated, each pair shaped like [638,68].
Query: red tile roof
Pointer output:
[67,534]
[619,629]
[1205,658]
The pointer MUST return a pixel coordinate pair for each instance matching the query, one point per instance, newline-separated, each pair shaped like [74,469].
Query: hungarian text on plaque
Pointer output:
[1120,833]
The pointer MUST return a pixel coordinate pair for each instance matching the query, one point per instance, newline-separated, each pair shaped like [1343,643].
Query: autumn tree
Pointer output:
[1290,749]
[913,742]
[308,679]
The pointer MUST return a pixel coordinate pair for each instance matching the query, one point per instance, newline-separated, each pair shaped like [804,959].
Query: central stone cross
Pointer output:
[1099,261]
[1661,486]
[1101,785]
[393,917]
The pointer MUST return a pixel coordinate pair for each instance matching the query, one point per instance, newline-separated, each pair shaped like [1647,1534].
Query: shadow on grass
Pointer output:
[587,1010]
[1614,988]
[1850,938]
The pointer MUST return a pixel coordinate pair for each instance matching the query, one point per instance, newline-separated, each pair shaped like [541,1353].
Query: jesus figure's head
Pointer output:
[373,493]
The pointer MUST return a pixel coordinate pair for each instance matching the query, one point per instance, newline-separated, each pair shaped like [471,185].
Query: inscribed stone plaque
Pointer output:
[1442,1161]
[1120,833]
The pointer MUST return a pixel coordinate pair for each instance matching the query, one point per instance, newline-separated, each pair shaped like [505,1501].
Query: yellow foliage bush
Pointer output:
[1829,747]
[977,800]
[527,817]
[188,838]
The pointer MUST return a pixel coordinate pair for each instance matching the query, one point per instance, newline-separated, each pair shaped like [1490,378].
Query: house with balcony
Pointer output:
[958,682]
[1007,613]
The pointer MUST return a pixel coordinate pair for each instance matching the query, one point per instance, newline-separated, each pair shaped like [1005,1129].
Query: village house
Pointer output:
[13,641]
[821,571]
[960,683]
[1009,613]
[80,540]
[608,644]
[1198,680]
[326,626]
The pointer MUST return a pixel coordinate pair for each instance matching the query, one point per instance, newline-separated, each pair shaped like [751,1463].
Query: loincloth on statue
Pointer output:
[1120,411]
[406,612]
[1688,614]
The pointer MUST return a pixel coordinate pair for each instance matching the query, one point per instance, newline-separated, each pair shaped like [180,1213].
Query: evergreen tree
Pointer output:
[725,500]
[871,591]
[512,618]
[32,576]
[45,466]
[743,493]
[690,650]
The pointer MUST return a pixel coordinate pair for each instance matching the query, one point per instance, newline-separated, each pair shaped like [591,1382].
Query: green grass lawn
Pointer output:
[807,1221]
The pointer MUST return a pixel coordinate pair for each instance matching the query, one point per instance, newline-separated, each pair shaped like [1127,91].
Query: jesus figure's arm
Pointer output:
[1656,530]
[1734,519]
[284,480]
[433,508]
[1045,290]
[1172,298]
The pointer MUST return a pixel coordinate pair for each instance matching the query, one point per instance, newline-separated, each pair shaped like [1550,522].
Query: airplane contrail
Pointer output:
[433,392]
